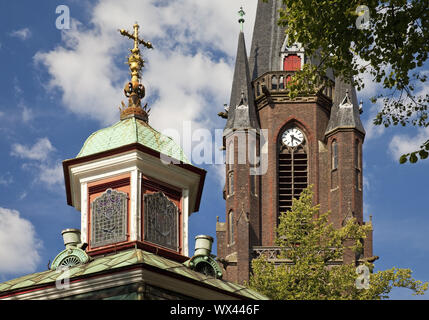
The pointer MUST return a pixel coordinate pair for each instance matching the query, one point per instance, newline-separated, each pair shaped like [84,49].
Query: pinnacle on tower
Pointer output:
[134,90]
[345,108]
[241,20]
[241,111]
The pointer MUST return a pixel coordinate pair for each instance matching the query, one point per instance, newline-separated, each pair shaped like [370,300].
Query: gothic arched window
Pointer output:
[357,154]
[281,82]
[231,183]
[292,164]
[334,151]
[230,169]
[231,227]
[357,164]
[274,85]
[230,156]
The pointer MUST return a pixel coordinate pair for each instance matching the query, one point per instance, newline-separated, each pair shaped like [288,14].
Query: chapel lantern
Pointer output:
[126,193]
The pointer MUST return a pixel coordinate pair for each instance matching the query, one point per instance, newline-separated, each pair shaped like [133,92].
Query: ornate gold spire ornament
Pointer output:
[134,90]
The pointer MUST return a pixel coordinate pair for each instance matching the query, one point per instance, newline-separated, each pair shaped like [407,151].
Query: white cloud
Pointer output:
[19,244]
[39,151]
[402,143]
[27,114]
[51,175]
[219,174]
[22,34]
[45,169]
[85,73]
[373,131]
[187,75]
[185,85]
[184,68]
[371,87]
[6,179]
[17,87]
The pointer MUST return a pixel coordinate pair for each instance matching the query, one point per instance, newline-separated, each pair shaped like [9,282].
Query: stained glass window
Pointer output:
[161,217]
[109,218]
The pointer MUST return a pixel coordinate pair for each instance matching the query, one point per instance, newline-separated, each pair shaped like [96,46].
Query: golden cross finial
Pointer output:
[134,90]
[135,62]
[136,38]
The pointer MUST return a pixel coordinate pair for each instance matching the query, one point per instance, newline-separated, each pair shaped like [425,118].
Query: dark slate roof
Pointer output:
[242,111]
[343,116]
[267,41]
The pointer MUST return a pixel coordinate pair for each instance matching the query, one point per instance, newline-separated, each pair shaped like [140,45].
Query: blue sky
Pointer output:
[59,86]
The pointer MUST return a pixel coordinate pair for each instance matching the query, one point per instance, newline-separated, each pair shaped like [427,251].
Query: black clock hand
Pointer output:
[293,138]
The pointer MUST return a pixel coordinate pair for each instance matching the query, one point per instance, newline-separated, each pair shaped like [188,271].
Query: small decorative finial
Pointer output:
[242,99]
[241,14]
[224,114]
[360,106]
[347,102]
[134,90]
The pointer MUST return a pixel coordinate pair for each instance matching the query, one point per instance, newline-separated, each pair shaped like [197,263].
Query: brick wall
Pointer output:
[255,213]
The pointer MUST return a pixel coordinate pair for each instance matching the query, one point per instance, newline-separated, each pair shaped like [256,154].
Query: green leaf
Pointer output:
[423,154]
[413,157]
[403,159]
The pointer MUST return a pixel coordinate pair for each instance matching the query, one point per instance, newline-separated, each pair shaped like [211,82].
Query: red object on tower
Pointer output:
[292,63]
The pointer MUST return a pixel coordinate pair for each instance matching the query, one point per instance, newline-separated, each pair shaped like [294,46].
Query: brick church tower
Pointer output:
[314,139]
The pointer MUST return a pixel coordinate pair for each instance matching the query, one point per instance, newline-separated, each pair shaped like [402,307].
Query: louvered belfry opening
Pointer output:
[292,174]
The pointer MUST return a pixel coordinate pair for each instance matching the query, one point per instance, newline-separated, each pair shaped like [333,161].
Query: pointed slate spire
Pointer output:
[242,111]
[267,39]
[345,108]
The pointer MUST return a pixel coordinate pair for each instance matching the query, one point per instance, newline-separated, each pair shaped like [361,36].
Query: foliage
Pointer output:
[312,245]
[390,47]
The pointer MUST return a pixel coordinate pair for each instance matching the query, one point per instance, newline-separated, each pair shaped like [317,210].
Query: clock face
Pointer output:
[292,137]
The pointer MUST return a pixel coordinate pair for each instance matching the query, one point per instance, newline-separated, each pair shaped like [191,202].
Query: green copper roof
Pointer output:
[129,131]
[122,259]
